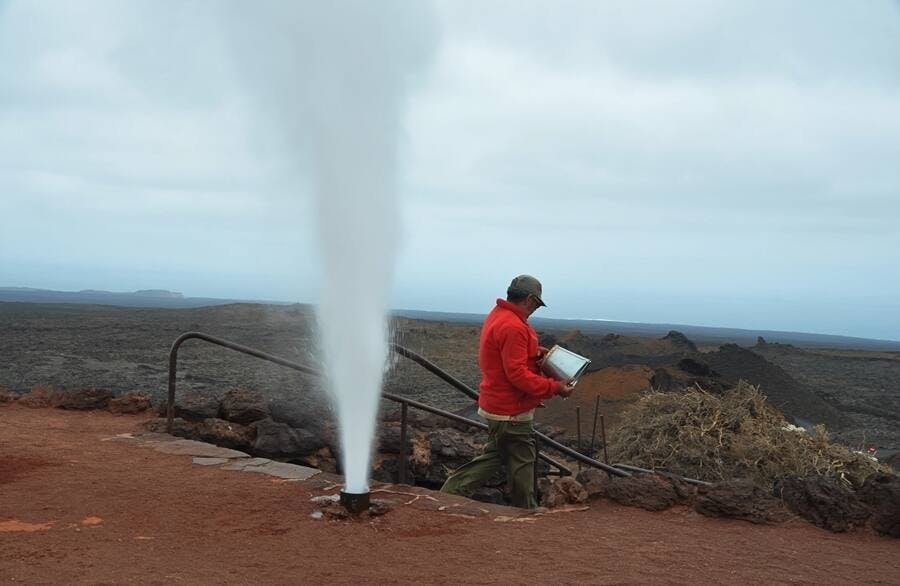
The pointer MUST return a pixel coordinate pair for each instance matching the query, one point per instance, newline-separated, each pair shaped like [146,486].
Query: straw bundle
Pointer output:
[737,434]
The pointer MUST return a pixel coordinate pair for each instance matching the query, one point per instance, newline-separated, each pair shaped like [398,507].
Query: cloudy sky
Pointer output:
[730,163]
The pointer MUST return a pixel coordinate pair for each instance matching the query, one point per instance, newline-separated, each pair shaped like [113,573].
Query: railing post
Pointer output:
[403,410]
[578,423]
[173,367]
[603,437]
[594,429]
[537,457]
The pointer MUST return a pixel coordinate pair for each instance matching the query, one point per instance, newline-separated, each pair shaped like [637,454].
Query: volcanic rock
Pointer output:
[593,481]
[226,434]
[565,491]
[280,440]
[882,493]
[680,341]
[436,453]
[652,492]
[386,468]
[389,438]
[39,396]
[695,367]
[451,444]
[244,406]
[739,499]
[180,427]
[194,406]
[489,494]
[823,501]
[84,399]
[894,461]
[311,412]
[323,459]
[133,402]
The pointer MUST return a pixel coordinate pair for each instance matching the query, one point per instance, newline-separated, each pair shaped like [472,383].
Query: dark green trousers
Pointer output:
[510,443]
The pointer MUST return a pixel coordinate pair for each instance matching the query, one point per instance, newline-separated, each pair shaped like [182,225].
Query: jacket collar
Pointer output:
[504,304]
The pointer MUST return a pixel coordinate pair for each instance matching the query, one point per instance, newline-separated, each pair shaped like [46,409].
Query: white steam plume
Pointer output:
[335,76]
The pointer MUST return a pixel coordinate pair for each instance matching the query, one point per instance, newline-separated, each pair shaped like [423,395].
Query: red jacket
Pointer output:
[511,381]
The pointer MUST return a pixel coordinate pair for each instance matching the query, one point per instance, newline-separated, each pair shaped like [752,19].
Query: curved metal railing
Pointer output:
[614,469]
[404,401]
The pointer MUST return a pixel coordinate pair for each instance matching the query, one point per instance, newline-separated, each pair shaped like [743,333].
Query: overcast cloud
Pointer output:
[707,162]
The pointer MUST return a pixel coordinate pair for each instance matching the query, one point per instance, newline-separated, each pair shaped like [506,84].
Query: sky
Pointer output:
[725,163]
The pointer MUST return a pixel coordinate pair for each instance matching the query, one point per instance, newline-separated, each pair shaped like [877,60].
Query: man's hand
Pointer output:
[566,390]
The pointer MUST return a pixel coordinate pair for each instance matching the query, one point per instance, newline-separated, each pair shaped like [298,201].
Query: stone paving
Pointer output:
[327,485]
[210,455]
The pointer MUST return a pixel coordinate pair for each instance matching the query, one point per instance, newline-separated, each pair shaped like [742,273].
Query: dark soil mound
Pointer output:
[617,350]
[782,390]
[615,387]
[689,372]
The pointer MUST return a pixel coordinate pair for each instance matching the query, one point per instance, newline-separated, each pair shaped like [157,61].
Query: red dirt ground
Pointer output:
[76,509]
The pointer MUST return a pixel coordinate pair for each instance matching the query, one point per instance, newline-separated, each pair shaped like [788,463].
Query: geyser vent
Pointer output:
[355,502]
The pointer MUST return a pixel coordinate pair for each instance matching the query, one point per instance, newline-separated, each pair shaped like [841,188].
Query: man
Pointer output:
[512,386]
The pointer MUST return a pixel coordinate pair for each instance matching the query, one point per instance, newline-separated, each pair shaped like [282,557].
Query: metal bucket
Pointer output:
[564,365]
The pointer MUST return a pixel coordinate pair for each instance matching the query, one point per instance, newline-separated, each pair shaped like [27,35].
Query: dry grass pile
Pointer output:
[734,435]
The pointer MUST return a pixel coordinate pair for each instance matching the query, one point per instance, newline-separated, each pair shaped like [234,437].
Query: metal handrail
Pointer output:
[618,469]
[173,367]
[436,370]
[615,469]
[470,392]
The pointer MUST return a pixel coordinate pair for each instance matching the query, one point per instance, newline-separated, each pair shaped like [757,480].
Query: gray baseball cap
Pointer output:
[527,284]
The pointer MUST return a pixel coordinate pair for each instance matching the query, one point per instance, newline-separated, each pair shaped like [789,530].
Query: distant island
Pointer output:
[142,298]
[156,293]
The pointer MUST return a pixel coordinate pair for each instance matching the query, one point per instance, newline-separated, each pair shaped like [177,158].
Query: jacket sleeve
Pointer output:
[514,353]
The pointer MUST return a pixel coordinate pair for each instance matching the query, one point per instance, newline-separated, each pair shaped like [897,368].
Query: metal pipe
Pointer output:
[640,470]
[403,409]
[355,502]
[603,436]
[434,410]
[578,424]
[173,368]
[594,427]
